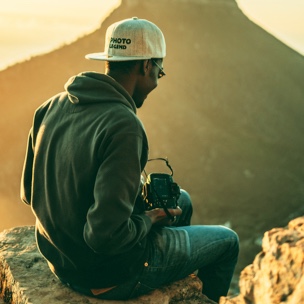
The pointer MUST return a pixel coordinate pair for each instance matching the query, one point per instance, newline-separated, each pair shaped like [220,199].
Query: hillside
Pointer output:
[228,115]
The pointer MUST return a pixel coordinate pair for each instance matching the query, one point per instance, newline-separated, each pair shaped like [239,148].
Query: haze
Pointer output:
[28,28]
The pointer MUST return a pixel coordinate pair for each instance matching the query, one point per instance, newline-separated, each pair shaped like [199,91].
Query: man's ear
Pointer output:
[145,66]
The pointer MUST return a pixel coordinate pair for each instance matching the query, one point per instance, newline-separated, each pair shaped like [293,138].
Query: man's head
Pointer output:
[134,51]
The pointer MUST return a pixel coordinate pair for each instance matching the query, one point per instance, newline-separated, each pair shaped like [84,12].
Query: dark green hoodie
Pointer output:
[86,151]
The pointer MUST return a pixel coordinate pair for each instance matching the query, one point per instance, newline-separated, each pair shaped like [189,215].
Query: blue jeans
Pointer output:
[180,250]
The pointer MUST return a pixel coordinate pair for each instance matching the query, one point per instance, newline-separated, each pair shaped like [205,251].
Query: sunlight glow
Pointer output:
[281,18]
[32,27]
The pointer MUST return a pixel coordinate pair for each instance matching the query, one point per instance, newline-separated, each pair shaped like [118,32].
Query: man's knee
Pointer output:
[233,238]
[185,199]
[185,203]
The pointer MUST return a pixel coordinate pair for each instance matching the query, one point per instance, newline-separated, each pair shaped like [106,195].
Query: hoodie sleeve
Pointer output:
[111,226]
[26,178]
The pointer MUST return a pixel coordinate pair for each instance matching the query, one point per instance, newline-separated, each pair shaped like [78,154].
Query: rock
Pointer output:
[277,273]
[275,276]
[26,279]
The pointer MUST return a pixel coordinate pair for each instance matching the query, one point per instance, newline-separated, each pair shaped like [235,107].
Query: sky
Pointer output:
[32,27]
[284,19]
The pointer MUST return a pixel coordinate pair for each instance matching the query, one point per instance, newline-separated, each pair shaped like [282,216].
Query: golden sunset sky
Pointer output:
[282,18]
[31,27]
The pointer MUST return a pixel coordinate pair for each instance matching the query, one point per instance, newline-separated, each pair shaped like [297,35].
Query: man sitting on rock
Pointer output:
[86,153]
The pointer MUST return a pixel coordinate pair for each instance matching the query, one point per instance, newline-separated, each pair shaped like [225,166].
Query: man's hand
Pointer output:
[159,217]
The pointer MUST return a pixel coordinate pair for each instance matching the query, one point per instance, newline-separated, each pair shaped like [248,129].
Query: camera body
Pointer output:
[160,191]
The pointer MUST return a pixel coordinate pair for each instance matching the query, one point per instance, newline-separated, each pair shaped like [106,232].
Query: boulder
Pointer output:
[26,279]
[275,276]
[277,272]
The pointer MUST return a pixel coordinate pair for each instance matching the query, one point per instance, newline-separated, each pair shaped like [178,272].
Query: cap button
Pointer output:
[135,18]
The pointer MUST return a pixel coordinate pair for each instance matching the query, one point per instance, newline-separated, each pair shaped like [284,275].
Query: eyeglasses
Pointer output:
[161,72]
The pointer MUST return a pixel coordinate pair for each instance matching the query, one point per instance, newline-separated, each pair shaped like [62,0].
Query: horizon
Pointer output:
[29,23]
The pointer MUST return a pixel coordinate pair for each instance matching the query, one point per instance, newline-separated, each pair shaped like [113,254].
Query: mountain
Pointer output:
[228,115]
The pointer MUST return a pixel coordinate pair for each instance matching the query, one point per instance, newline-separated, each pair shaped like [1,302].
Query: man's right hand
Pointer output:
[159,217]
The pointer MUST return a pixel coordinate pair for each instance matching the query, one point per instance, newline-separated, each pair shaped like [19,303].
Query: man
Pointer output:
[86,152]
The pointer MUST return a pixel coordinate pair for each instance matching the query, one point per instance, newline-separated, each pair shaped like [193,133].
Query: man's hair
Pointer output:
[124,66]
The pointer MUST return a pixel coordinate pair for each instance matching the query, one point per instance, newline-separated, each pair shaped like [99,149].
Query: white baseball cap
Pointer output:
[132,39]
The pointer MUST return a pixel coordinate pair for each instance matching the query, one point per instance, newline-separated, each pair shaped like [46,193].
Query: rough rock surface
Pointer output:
[26,279]
[277,273]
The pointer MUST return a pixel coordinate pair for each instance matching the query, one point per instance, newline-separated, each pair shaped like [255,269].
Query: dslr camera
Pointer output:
[160,191]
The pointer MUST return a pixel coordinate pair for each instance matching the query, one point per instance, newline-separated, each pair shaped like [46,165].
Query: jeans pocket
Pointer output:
[140,289]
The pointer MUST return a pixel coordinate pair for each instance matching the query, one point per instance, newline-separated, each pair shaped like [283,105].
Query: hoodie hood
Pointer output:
[92,87]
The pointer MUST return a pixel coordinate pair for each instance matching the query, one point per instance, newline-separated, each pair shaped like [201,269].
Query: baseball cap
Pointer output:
[132,39]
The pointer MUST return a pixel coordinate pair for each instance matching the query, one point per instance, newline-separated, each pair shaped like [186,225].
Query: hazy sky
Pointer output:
[282,18]
[30,27]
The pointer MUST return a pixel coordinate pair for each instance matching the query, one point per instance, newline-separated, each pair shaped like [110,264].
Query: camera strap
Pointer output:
[169,215]
[163,159]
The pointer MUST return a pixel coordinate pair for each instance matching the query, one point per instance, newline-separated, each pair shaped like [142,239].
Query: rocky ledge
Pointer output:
[26,279]
[274,277]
